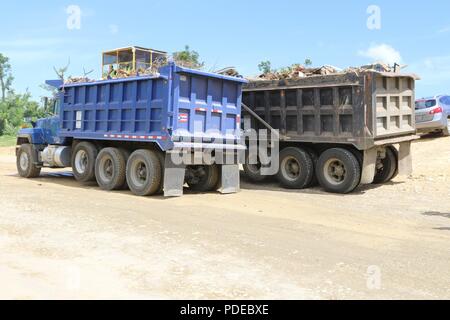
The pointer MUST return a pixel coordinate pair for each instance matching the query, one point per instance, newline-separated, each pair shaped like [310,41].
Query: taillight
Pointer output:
[436,110]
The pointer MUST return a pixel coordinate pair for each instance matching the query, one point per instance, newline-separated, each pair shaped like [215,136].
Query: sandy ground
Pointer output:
[61,240]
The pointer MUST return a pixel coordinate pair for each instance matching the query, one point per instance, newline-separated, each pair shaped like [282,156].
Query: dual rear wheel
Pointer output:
[115,168]
[337,170]
[142,170]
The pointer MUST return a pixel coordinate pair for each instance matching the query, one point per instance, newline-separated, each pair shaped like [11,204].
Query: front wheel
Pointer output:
[26,162]
[338,171]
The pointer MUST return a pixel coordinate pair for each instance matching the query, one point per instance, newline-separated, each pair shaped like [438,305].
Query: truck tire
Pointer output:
[126,154]
[296,168]
[144,172]
[110,169]
[83,161]
[162,162]
[389,168]
[338,171]
[26,162]
[315,158]
[203,178]
[253,171]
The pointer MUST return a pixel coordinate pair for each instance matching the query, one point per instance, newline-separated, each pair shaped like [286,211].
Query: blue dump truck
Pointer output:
[145,133]
[154,129]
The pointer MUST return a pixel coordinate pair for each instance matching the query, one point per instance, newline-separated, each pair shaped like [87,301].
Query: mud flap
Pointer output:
[369,166]
[405,159]
[173,177]
[230,182]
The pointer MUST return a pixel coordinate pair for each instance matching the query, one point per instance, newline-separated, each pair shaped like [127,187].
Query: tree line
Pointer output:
[16,109]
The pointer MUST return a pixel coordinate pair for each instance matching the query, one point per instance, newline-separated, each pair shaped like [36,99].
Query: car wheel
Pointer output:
[446,131]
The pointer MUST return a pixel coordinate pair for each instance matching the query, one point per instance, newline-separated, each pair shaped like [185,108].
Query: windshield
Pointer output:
[424,104]
[56,106]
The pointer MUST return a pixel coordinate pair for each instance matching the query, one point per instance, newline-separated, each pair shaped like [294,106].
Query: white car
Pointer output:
[433,115]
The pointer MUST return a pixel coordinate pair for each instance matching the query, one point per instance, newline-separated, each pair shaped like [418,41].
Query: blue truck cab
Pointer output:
[152,133]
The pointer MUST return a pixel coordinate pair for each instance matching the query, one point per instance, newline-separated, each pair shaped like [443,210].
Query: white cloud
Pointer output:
[382,53]
[433,70]
[444,30]
[114,28]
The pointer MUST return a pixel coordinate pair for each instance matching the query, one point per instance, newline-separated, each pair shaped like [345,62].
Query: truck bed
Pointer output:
[347,108]
[161,108]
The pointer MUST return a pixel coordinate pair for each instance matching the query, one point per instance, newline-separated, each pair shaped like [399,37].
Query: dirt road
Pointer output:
[62,240]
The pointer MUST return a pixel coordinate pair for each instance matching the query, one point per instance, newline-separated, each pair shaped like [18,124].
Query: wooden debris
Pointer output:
[229,71]
[297,71]
[78,80]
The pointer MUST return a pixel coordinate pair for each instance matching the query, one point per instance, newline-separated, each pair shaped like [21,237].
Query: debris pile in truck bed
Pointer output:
[78,80]
[229,71]
[297,71]
[377,67]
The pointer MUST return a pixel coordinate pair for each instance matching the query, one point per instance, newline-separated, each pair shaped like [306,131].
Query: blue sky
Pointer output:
[34,34]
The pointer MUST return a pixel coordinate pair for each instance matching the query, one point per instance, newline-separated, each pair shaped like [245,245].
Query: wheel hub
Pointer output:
[24,161]
[108,169]
[142,172]
[195,175]
[335,171]
[81,161]
[291,168]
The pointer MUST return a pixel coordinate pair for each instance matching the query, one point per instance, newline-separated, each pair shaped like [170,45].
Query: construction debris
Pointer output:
[229,71]
[297,71]
[78,80]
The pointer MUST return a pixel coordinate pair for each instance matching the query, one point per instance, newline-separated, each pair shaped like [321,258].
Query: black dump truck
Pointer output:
[340,130]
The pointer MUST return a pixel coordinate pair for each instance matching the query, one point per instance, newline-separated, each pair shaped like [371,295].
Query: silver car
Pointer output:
[433,115]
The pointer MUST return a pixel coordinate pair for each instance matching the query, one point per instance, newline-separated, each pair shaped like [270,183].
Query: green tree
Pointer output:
[15,108]
[308,62]
[188,58]
[6,77]
[265,67]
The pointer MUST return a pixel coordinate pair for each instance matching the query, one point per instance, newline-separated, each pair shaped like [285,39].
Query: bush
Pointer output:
[14,109]
[188,58]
